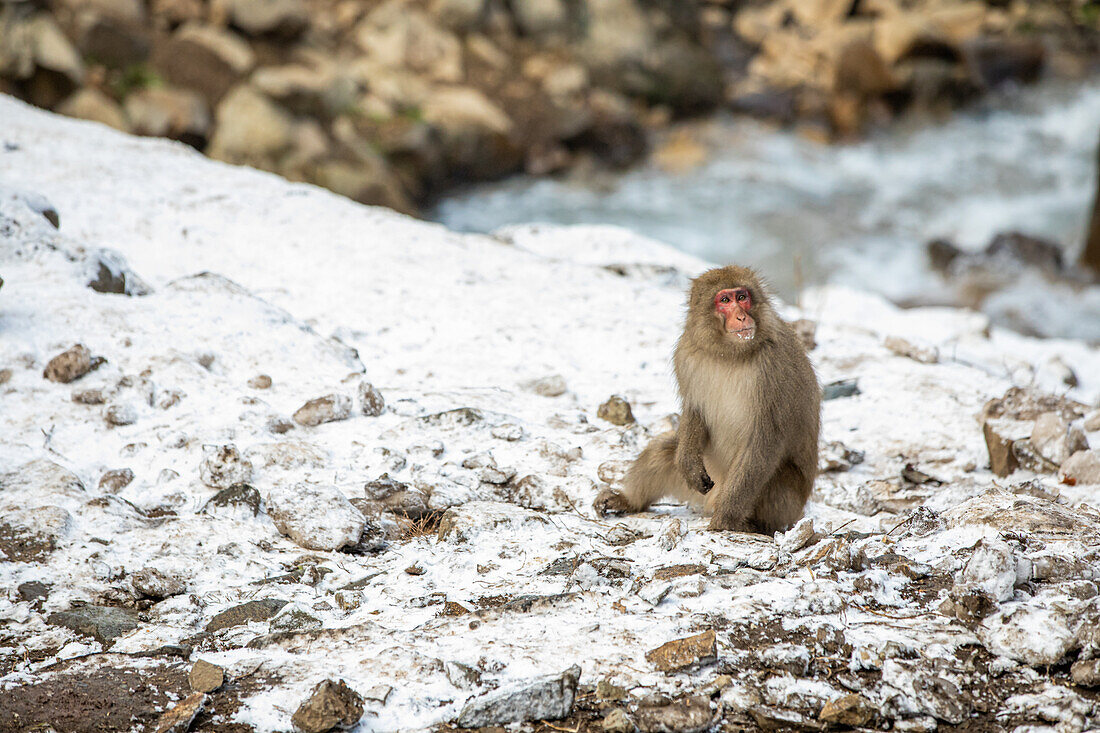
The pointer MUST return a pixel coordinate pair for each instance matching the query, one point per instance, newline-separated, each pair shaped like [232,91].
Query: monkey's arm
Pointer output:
[691,440]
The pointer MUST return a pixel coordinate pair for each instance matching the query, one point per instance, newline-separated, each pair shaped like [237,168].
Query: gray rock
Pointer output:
[332,705]
[109,273]
[33,591]
[223,466]
[840,388]
[103,623]
[315,516]
[461,675]
[205,59]
[329,408]
[261,610]
[617,721]
[116,480]
[30,535]
[295,618]
[543,698]
[371,402]
[158,583]
[1055,439]
[71,364]
[121,415]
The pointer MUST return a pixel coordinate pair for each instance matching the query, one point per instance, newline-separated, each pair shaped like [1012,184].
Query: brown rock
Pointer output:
[283,18]
[1083,467]
[91,104]
[995,61]
[260,610]
[250,129]
[179,114]
[683,653]
[999,437]
[400,37]
[205,677]
[1086,673]
[179,717]
[113,40]
[260,381]
[331,705]
[69,365]
[329,408]
[861,70]
[849,710]
[116,480]
[205,59]
[5,374]
[616,411]
[688,715]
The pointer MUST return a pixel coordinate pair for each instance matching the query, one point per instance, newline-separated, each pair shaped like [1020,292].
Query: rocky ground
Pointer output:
[273,459]
[393,101]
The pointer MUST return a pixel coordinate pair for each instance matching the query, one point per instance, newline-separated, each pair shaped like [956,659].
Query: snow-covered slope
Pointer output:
[461,334]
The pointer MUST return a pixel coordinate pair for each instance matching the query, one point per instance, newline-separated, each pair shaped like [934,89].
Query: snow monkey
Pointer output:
[746,447]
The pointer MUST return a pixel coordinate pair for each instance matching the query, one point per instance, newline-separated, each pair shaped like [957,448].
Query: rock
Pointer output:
[551,386]
[1086,673]
[403,38]
[121,415]
[543,698]
[90,104]
[116,480]
[1083,467]
[331,705]
[691,714]
[462,676]
[683,653]
[30,535]
[205,677]
[1032,636]
[861,71]
[799,536]
[835,456]
[223,466]
[1055,439]
[69,365]
[33,591]
[371,402]
[1000,436]
[240,494]
[329,408]
[179,717]
[179,114]
[540,18]
[295,618]
[261,610]
[617,721]
[616,411]
[158,583]
[992,569]
[283,18]
[849,710]
[913,687]
[52,49]
[205,59]
[109,273]
[103,623]
[250,129]
[1006,511]
[838,389]
[1092,421]
[923,354]
[315,516]
[260,381]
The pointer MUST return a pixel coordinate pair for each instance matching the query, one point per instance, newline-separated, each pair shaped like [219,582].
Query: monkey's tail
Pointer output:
[654,475]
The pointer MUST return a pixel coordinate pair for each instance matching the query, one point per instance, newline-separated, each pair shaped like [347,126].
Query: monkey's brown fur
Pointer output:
[749,423]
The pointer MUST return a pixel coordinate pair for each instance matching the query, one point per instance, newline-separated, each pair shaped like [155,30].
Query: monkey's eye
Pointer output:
[725,299]
[742,295]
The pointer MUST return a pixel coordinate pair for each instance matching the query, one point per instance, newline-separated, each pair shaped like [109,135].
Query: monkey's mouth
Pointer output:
[745,334]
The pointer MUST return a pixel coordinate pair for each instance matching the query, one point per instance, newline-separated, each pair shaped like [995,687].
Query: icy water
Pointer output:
[857,214]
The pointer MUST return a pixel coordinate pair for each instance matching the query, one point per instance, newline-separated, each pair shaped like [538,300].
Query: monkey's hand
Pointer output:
[610,501]
[706,483]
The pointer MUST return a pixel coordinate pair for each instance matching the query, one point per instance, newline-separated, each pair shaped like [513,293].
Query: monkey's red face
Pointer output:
[732,305]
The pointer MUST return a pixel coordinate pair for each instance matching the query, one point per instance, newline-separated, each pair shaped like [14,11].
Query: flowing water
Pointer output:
[857,214]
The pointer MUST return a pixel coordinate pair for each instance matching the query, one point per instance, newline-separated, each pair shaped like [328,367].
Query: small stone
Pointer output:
[608,691]
[1054,439]
[508,431]
[121,415]
[261,610]
[5,374]
[378,693]
[279,425]
[616,411]
[839,389]
[922,353]
[157,583]
[617,721]
[683,653]
[116,480]
[543,698]
[168,398]
[32,591]
[179,717]
[69,365]
[330,706]
[205,677]
[108,272]
[348,600]
[1086,673]
[223,466]
[260,381]
[315,516]
[552,386]
[89,397]
[849,710]
[240,494]
[103,623]
[688,715]
[329,408]
[1000,435]
[371,402]
[799,536]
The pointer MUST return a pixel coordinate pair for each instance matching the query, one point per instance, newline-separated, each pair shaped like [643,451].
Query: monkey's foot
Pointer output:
[720,523]
[610,501]
[706,483]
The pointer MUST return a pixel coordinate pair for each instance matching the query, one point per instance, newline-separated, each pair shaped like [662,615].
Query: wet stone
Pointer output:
[332,705]
[543,698]
[261,610]
[116,480]
[329,408]
[69,365]
[616,411]
[205,677]
[684,653]
[103,623]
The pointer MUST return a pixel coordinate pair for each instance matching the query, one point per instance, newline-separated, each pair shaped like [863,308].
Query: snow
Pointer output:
[253,275]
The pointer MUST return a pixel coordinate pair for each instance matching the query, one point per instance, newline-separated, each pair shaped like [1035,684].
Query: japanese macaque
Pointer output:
[746,447]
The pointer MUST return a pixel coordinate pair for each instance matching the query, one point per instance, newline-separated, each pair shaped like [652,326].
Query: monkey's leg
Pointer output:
[735,502]
[691,441]
[782,500]
[652,476]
